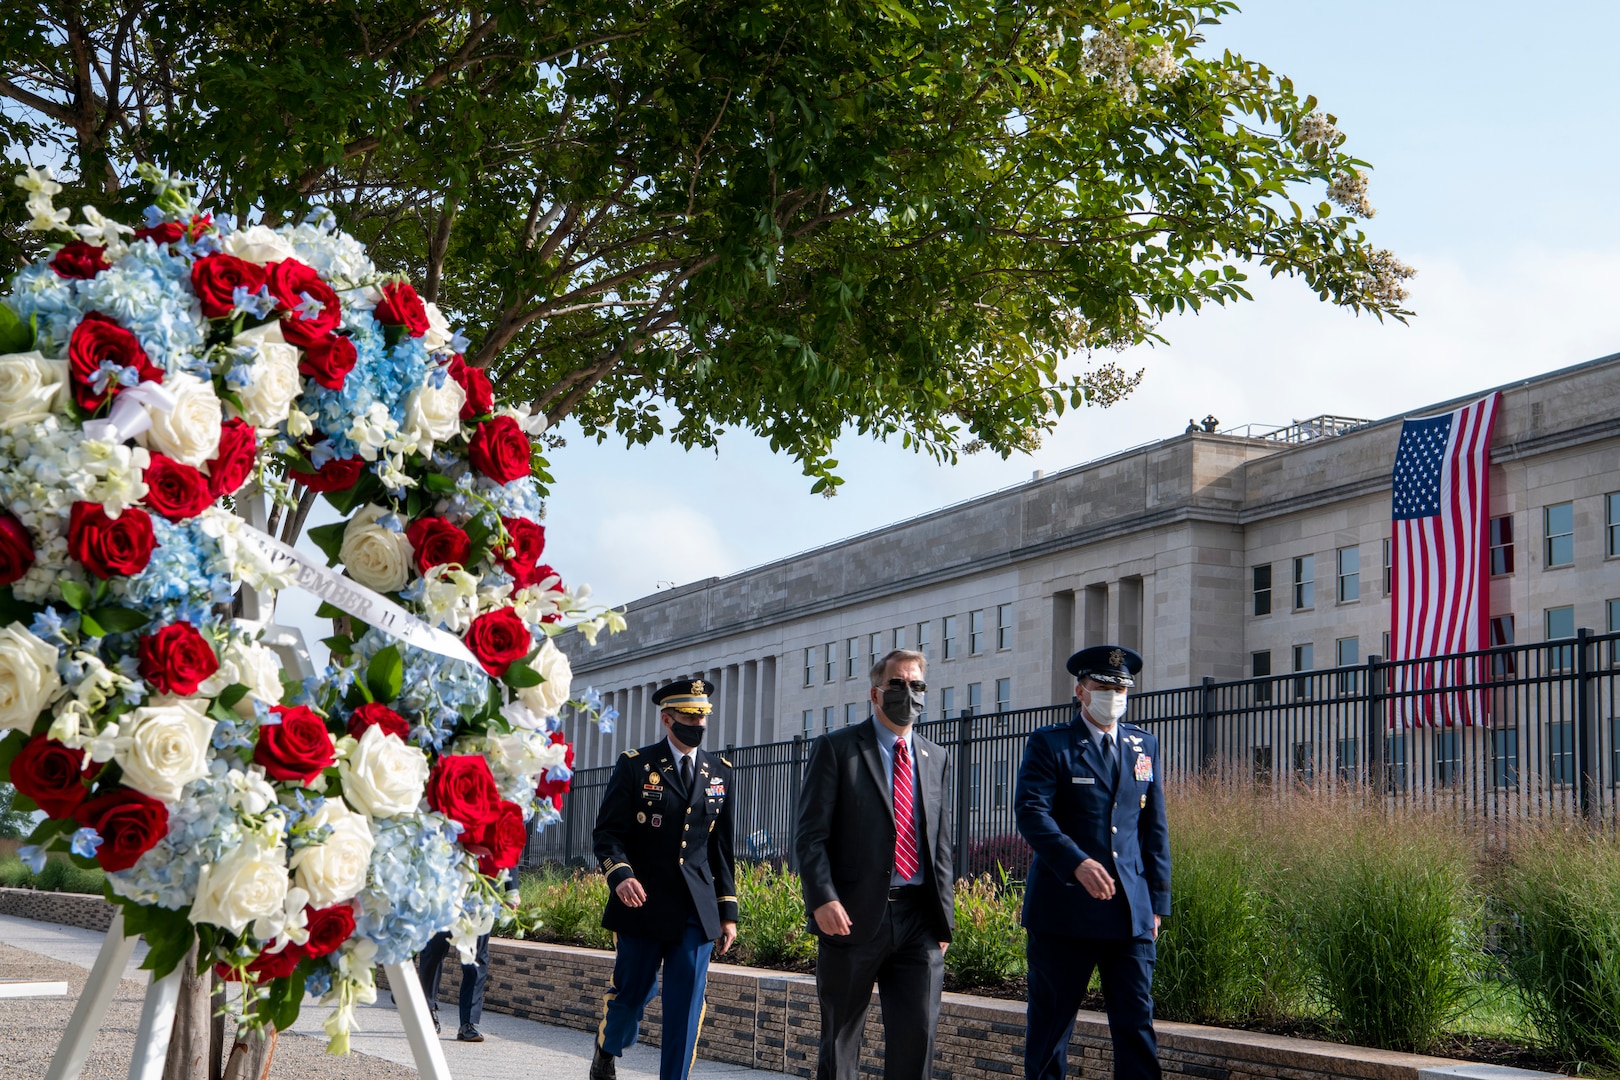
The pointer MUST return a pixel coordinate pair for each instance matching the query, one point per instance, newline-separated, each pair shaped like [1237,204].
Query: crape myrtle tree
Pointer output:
[920,221]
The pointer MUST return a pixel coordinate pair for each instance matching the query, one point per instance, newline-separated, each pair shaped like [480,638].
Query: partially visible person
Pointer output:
[429,966]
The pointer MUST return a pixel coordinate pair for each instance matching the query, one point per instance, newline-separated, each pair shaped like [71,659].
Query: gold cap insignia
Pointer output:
[697,688]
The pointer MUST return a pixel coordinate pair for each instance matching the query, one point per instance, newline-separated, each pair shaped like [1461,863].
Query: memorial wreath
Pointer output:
[153,378]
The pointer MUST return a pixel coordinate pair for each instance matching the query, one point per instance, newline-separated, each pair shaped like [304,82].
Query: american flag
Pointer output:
[1440,563]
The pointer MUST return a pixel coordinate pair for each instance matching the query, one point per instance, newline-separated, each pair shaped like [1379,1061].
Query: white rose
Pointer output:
[161,748]
[273,379]
[28,679]
[434,413]
[258,244]
[377,557]
[525,753]
[335,870]
[30,387]
[249,664]
[547,698]
[248,885]
[383,775]
[190,432]
[438,332]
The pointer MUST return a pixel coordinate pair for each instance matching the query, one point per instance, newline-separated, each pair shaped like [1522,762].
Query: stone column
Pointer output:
[1097,626]
[748,724]
[1062,643]
[767,701]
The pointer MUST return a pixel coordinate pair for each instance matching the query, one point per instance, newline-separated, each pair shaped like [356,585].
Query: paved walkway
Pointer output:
[512,1049]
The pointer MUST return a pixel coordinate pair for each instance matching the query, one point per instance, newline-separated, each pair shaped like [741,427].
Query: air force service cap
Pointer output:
[685,695]
[1113,665]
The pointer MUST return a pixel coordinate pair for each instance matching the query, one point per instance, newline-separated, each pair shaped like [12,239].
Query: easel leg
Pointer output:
[116,949]
[413,1011]
[157,1025]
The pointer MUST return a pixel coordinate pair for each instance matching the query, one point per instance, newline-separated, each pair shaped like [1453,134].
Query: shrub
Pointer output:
[59,875]
[993,855]
[558,906]
[988,946]
[771,928]
[1562,944]
[14,873]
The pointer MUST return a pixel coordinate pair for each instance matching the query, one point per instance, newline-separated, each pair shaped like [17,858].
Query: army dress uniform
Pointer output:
[677,842]
[1074,801]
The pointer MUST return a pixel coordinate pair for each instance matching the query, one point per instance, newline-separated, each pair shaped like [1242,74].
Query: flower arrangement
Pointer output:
[299,830]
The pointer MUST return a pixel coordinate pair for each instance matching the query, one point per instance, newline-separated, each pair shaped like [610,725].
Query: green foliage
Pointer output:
[15,822]
[59,875]
[1562,899]
[385,674]
[988,946]
[674,218]
[771,926]
[558,906]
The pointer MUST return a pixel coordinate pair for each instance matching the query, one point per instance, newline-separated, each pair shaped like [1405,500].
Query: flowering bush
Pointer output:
[300,830]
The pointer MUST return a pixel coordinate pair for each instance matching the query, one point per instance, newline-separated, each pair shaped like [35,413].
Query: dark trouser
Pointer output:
[473,976]
[685,965]
[904,960]
[1059,970]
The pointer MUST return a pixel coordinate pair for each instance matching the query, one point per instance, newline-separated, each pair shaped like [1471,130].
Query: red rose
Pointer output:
[106,546]
[163,233]
[480,394]
[297,748]
[176,490]
[436,541]
[328,928]
[329,360]
[16,549]
[216,279]
[230,468]
[500,450]
[266,966]
[556,789]
[289,280]
[176,658]
[80,260]
[525,543]
[462,788]
[376,714]
[98,339]
[499,844]
[499,639]
[51,774]
[130,825]
[400,306]
[339,474]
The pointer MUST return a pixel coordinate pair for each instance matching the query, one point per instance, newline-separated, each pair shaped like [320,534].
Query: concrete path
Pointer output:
[512,1049]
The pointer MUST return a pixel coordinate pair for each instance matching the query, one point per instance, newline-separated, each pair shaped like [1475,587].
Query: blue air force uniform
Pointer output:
[676,841]
[1072,804]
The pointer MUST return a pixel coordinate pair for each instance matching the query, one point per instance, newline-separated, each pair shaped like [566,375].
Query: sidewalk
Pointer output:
[512,1049]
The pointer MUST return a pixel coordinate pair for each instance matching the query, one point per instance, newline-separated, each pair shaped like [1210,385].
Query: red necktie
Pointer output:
[905,821]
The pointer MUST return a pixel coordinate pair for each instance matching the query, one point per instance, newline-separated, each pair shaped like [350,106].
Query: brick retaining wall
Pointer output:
[769,1019]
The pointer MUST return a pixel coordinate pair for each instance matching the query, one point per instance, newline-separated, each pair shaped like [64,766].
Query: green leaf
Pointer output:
[11,745]
[90,626]
[329,611]
[168,935]
[340,644]
[75,594]
[231,695]
[13,610]
[329,538]
[15,335]
[520,675]
[385,675]
[286,995]
[119,620]
[438,483]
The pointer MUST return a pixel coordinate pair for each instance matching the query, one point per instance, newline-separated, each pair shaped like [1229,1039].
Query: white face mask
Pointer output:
[1106,707]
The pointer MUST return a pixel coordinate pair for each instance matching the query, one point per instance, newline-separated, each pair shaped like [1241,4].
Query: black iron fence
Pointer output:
[1517,733]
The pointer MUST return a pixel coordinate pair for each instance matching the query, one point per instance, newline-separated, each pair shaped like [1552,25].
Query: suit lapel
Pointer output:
[866,734]
[700,779]
[927,770]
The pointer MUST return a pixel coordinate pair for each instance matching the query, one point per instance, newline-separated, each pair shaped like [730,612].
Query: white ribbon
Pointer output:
[130,415]
[352,598]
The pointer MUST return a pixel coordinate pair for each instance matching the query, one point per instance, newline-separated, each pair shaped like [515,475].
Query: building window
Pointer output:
[852,652]
[875,647]
[1262,589]
[1347,759]
[947,702]
[975,697]
[827,718]
[1397,751]
[852,714]
[809,721]
[1613,607]
[1304,582]
[1611,524]
[809,665]
[947,641]
[1260,667]
[975,633]
[974,790]
[1447,757]
[1304,762]
[1561,625]
[1003,626]
[1346,654]
[922,637]
[1505,757]
[1561,752]
[1560,532]
[1503,664]
[1001,784]
[1304,660]
[1003,695]
[1502,545]
[1349,574]
[831,661]
[899,637]
[1388,577]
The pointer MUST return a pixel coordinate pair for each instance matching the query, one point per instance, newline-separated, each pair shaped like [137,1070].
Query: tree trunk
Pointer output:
[190,1040]
[251,1056]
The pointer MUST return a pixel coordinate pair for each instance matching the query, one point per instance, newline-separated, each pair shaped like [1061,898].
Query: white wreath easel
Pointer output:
[163,995]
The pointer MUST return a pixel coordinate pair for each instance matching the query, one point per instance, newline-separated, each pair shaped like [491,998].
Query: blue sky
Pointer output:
[1491,128]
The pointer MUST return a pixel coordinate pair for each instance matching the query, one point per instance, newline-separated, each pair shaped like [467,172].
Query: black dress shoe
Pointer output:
[604,1066]
[435,1023]
[468,1033]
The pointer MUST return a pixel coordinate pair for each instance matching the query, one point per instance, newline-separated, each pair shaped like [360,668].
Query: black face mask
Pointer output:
[686,734]
[901,704]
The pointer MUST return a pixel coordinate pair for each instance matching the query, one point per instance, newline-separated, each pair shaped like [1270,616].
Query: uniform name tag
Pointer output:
[1084,779]
[1144,769]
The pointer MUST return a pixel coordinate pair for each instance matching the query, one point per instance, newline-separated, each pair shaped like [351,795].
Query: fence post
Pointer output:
[1375,722]
[1208,736]
[568,831]
[795,782]
[964,750]
[1586,750]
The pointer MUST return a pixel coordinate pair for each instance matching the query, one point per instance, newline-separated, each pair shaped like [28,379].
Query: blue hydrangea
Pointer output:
[187,575]
[381,374]
[201,829]
[418,881]
[434,688]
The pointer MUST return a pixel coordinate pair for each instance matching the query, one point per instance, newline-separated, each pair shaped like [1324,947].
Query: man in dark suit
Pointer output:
[874,848]
[1090,801]
[663,838]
